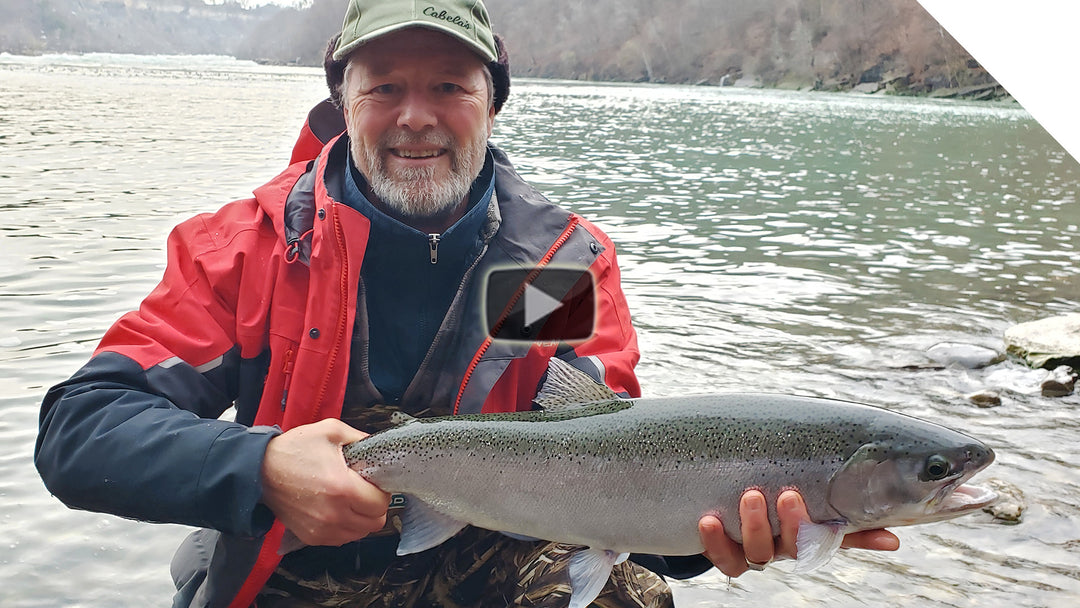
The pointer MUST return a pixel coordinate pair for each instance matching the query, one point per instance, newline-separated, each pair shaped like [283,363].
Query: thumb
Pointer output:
[338,432]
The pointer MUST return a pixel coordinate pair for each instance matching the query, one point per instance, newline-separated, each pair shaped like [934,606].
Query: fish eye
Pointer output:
[937,467]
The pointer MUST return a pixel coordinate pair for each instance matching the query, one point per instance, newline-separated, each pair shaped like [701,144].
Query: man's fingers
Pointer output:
[877,540]
[723,552]
[338,432]
[370,500]
[308,487]
[791,511]
[756,531]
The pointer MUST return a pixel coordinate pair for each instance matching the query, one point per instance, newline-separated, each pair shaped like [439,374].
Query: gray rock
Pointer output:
[1047,342]
[1061,382]
[985,399]
[1010,505]
[970,356]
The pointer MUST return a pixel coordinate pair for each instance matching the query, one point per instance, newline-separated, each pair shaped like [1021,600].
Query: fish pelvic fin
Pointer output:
[589,571]
[567,387]
[422,527]
[816,544]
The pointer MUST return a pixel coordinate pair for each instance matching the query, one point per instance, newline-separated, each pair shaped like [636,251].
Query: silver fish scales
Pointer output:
[623,476]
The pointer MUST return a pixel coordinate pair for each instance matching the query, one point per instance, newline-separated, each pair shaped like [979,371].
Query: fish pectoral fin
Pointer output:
[816,544]
[422,527]
[567,387]
[589,571]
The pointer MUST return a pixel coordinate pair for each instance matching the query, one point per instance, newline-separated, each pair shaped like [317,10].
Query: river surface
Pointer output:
[814,244]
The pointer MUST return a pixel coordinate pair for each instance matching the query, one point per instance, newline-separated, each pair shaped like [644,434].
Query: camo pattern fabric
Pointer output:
[476,569]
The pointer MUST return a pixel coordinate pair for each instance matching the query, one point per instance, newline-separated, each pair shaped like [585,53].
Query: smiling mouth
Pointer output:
[416,154]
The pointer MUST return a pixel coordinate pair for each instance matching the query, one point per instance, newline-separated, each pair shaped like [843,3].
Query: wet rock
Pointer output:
[1062,382]
[1010,505]
[1046,343]
[985,399]
[970,356]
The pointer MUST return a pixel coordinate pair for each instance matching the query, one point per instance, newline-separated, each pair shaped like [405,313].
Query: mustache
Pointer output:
[406,138]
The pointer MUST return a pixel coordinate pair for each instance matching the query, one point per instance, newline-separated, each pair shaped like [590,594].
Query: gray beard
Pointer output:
[416,193]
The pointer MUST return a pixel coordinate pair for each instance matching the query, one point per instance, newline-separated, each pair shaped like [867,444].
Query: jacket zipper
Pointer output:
[343,318]
[286,370]
[433,246]
[488,340]
[454,304]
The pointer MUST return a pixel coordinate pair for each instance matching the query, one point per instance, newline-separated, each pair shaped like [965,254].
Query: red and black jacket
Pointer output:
[256,311]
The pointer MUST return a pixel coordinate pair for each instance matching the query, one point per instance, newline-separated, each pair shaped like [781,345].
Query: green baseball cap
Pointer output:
[466,20]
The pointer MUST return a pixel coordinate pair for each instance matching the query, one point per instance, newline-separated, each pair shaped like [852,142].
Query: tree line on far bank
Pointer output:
[868,45]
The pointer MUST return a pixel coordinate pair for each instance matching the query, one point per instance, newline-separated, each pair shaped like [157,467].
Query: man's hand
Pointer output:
[759,545]
[313,493]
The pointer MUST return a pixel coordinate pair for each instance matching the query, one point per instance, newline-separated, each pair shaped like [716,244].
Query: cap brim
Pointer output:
[473,45]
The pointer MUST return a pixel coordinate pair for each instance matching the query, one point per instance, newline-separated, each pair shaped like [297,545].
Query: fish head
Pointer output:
[905,480]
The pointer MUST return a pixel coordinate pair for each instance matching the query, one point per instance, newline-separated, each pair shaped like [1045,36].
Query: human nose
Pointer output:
[417,112]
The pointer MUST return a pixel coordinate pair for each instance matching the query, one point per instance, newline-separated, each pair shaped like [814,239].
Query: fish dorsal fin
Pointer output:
[567,387]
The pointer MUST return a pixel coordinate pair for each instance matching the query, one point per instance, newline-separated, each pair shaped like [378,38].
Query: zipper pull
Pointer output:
[287,370]
[433,244]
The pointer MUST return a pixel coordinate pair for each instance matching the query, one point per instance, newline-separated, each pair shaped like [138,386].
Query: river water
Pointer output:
[770,241]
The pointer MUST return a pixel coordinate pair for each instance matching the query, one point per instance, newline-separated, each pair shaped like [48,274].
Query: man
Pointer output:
[347,288]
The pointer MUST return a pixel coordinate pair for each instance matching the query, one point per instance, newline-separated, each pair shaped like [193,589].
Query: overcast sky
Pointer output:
[1029,46]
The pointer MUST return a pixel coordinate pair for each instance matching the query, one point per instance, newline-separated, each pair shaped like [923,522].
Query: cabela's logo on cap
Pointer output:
[431,11]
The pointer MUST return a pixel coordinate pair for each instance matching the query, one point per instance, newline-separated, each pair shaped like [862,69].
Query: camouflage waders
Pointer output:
[475,569]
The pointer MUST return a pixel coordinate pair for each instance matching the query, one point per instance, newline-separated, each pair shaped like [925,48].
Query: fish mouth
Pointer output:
[963,498]
[958,497]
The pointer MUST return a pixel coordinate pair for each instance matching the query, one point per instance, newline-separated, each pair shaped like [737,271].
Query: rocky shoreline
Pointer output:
[1046,343]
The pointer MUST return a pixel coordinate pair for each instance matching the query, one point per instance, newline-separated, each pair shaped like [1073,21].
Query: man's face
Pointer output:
[418,112]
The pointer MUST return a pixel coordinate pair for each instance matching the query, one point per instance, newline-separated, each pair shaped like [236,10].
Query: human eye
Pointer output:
[449,88]
[382,89]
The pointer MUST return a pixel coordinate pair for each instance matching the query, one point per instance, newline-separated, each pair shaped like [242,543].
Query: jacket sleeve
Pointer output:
[135,431]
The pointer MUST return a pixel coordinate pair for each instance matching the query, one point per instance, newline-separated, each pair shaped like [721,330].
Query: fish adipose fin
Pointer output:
[567,387]
[816,544]
[589,571]
[423,527]
[400,418]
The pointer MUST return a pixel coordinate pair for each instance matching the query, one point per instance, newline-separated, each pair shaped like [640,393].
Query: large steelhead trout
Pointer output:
[620,476]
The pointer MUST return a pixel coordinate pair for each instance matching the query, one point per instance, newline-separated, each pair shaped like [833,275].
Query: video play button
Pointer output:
[540,304]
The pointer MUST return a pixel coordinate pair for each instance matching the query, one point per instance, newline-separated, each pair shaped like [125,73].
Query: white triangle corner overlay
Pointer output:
[1027,47]
[538,304]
